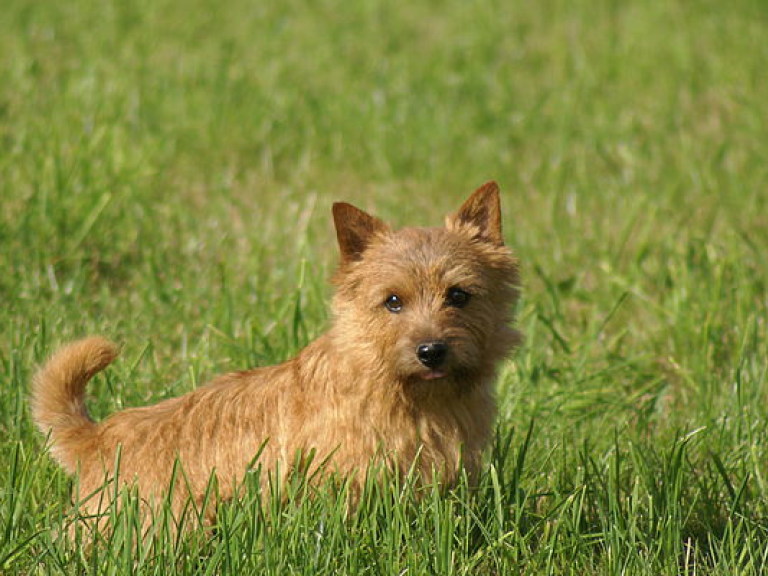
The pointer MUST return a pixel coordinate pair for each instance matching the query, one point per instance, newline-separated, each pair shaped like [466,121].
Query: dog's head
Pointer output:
[425,306]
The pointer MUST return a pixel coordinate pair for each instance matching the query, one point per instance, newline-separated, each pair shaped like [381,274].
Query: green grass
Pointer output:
[166,175]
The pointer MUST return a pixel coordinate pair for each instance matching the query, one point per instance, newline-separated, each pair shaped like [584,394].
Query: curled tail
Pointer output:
[58,397]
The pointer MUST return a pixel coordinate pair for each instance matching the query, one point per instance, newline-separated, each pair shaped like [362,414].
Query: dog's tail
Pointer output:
[58,397]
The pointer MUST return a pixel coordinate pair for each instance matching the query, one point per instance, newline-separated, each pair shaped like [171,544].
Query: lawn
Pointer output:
[166,176]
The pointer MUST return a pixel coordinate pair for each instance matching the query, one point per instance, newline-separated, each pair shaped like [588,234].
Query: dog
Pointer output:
[403,379]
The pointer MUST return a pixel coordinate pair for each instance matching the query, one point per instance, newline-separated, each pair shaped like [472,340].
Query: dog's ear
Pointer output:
[355,229]
[480,215]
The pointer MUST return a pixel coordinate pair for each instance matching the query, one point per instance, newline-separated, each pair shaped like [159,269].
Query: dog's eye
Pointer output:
[457,298]
[393,303]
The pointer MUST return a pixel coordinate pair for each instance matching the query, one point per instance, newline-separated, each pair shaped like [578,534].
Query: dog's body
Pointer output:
[404,377]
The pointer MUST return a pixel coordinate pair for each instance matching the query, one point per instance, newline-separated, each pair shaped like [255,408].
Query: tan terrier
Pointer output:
[403,379]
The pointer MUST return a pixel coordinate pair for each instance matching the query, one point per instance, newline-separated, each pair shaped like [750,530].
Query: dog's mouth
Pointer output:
[433,374]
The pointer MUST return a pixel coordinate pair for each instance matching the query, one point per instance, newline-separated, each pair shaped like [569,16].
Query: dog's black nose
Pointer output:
[432,354]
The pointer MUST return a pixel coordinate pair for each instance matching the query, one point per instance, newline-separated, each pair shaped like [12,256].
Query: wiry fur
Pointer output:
[356,396]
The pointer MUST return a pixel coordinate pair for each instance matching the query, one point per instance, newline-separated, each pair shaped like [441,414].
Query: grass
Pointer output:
[166,174]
